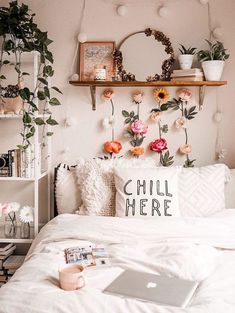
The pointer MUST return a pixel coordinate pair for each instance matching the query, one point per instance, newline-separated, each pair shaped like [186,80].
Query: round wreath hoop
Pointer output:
[166,65]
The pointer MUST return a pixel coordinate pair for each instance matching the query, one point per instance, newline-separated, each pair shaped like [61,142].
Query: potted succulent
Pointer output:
[213,60]
[19,34]
[186,57]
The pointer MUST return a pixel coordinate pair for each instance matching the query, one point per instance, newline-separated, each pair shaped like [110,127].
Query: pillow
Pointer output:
[67,195]
[147,192]
[97,183]
[201,190]
[229,191]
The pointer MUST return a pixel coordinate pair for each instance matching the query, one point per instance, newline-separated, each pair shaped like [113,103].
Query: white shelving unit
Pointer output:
[29,59]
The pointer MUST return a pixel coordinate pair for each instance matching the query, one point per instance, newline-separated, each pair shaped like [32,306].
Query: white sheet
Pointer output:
[195,248]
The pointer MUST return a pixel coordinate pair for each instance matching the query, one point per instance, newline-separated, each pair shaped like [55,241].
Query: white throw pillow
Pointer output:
[67,193]
[147,192]
[201,190]
[97,183]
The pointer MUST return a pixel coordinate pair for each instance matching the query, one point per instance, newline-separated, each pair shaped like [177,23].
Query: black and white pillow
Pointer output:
[147,192]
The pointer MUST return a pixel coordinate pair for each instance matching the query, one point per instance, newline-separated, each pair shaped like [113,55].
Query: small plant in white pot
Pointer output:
[186,57]
[213,60]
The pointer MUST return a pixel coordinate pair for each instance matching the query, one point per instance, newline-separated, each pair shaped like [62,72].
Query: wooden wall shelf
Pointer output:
[201,84]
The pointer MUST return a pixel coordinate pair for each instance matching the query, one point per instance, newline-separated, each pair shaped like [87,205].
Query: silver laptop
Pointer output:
[160,289]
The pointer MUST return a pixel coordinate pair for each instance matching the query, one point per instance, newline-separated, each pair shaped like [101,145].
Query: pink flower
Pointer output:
[158,145]
[184,94]
[138,127]
[138,97]
[185,149]
[108,94]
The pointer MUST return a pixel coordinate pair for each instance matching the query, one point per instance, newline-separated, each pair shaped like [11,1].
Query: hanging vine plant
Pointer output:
[21,34]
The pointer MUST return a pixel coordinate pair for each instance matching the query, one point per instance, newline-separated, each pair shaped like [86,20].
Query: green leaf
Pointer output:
[125,113]
[54,101]
[51,121]
[27,118]
[43,80]
[49,134]
[47,92]
[41,95]
[29,135]
[39,121]
[127,120]
[25,93]
[6,62]
[48,71]
[132,114]
[57,89]
[25,74]
[2,77]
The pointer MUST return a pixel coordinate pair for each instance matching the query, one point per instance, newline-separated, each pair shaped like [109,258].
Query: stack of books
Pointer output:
[12,263]
[6,250]
[192,74]
[17,163]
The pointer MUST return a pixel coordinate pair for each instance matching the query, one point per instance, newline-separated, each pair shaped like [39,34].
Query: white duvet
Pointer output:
[201,249]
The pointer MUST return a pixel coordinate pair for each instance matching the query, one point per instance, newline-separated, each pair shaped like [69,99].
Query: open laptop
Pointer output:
[160,289]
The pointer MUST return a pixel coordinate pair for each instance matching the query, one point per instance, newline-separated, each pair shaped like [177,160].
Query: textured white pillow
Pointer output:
[201,190]
[67,195]
[97,183]
[147,192]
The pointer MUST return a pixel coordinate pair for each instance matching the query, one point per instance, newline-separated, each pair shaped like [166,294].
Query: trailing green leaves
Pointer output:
[190,113]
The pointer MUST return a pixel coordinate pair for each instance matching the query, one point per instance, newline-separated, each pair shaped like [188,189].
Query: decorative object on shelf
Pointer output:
[122,10]
[82,37]
[137,129]
[9,210]
[26,217]
[74,76]
[18,38]
[95,54]
[213,60]
[161,95]
[186,57]
[163,11]
[165,67]
[10,100]
[100,72]
[192,74]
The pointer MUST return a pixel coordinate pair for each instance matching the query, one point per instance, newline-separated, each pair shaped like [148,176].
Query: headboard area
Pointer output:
[68,197]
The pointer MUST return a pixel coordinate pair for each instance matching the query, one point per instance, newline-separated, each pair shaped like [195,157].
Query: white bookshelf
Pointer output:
[30,59]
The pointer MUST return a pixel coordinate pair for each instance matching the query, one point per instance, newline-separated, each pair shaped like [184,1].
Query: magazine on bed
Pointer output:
[87,256]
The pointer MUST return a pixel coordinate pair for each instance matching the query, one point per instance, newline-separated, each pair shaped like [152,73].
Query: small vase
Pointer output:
[25,230]
[186,61]
[213,69]
[10,225]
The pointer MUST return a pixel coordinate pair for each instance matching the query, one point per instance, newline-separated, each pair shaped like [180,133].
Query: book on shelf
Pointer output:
[87,256]
[188,72]
[18,163]
[14,262]
[189,78]
[6,254]
[5,246]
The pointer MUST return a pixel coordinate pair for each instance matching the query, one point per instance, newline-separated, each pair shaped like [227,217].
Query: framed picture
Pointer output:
[96,54]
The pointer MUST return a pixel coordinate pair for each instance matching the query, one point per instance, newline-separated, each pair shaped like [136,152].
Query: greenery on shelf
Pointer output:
[216,52]
[21,34]
[189,50]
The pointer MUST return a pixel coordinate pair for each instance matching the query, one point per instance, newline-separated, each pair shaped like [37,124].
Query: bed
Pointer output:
[193,248]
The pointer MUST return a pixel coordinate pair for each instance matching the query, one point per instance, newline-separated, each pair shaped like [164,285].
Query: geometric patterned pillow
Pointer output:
[201,190]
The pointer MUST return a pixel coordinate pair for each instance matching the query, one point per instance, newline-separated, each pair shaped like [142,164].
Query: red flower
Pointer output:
[158,145]
[112,147]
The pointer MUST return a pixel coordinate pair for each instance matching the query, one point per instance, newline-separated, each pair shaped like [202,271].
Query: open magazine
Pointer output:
[87,256]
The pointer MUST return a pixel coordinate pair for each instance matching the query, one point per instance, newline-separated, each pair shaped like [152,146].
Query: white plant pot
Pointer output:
[186,61]
[213,70]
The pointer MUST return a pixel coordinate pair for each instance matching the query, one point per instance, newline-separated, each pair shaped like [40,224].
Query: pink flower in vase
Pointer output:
[158,145]
[138,127]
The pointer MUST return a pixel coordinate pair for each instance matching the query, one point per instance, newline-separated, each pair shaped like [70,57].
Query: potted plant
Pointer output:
[213,60]
[19,34]
[186,57]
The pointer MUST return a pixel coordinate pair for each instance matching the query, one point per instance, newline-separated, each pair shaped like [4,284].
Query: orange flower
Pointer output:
[137,151]
[112,147]
[185,149]
[108,94]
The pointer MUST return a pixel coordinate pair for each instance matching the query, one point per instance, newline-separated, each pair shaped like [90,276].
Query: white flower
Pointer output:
[108,122]
[181,123]
[26,214]
[7,208]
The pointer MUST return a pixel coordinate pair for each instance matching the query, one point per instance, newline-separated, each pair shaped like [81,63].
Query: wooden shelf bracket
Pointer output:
[93,97]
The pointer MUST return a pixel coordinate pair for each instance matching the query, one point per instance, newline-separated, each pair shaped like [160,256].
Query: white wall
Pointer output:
[186,23]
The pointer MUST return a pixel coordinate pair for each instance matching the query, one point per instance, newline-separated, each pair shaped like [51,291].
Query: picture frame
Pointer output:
[96,54]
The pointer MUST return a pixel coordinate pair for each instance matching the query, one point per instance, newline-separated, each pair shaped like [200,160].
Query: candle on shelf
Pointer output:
[100,72]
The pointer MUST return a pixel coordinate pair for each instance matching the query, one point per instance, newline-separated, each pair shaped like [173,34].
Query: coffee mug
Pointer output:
[71,277]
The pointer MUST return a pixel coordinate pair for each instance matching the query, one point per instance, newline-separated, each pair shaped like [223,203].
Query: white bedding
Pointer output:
[201,249]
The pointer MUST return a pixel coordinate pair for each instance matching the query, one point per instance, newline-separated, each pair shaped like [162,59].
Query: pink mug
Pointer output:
[71,277]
